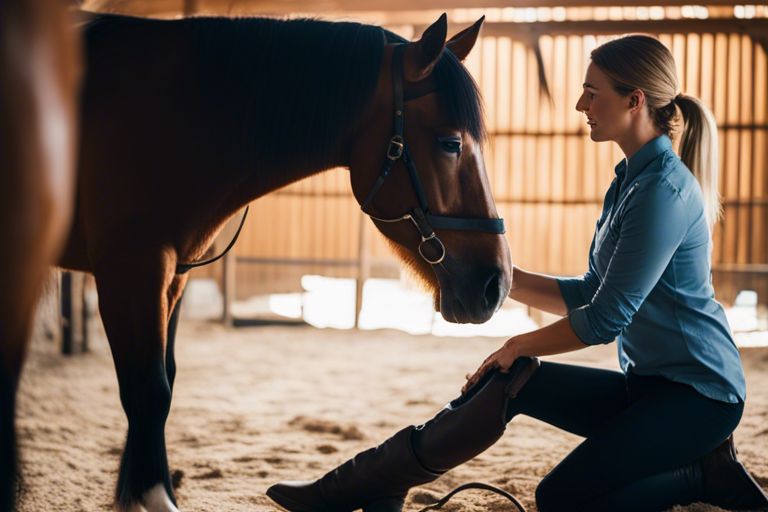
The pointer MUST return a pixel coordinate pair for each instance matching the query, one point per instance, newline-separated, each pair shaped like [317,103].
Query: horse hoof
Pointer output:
[133,507]
[157,500]
[154,500]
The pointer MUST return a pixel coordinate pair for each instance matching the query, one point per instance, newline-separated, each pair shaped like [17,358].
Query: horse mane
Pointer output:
[304,77]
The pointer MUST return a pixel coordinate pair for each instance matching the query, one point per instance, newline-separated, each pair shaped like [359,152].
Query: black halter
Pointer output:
[430,248]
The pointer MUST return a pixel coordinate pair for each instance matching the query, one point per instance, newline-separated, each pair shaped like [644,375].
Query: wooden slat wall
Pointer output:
[547,176]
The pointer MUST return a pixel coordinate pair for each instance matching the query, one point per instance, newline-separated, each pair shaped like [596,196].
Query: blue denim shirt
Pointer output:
[648,284]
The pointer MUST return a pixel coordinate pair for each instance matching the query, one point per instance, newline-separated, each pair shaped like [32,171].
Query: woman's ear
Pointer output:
[636,100]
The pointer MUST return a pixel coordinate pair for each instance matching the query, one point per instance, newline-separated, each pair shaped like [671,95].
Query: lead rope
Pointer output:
[183,268]
[473,485]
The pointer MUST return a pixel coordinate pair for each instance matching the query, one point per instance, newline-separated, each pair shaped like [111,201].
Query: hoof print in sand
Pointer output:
[327,448]
[348,433]
[214,473]
[245,459]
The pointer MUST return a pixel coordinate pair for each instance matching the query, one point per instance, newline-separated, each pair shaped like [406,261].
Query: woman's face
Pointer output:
[607,111]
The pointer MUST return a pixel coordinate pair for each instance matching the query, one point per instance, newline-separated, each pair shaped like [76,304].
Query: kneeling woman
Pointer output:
[658,433]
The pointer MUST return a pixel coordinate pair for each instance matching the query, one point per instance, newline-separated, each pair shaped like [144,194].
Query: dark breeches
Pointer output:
[636,428]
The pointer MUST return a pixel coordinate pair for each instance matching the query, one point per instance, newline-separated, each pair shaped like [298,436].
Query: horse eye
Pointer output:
[450,144]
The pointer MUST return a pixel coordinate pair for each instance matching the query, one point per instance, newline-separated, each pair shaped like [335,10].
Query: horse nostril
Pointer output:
[493,290]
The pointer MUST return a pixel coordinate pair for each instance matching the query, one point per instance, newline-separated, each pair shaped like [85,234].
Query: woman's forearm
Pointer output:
[539,291]
[556,338]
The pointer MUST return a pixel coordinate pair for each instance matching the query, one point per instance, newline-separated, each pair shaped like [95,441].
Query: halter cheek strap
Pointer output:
[431,247]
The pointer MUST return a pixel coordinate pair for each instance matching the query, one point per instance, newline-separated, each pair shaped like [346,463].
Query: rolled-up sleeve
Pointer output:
[653,224]
[578,291]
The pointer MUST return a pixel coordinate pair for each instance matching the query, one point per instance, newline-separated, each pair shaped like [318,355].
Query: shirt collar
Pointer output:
[628,171]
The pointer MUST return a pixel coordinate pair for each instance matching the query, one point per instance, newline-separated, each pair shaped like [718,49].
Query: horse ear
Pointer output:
[463,42]
[420,57]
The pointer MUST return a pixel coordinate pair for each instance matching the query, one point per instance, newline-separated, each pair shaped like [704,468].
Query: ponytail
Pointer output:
[699,152]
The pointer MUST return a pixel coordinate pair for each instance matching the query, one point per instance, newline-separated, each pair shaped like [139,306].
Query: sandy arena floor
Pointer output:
[254,406]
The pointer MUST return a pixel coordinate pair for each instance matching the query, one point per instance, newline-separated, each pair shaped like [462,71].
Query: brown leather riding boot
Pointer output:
[727,483]
[378,479]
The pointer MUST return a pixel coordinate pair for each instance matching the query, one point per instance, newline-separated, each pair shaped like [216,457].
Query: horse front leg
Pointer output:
[136,293]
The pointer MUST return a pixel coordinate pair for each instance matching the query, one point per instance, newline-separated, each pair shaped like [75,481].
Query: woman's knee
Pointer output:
[561,490]
[548,495]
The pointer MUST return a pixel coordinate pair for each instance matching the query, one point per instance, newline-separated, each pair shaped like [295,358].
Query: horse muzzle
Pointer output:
[473,299]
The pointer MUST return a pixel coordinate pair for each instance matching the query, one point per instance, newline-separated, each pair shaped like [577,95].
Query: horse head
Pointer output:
[417,169]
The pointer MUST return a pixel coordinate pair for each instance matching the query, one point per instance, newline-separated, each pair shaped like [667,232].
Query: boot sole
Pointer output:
[760,499]
[289,504]
[749,496]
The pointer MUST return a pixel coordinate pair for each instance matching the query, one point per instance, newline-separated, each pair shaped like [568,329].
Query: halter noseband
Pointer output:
[431,248]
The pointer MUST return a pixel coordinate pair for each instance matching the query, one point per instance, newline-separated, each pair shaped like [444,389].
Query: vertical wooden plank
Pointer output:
[500,172]
[730,150]
[502,99]
[325,240]
[67,325]
[314,236]
[296,208]
[574,172]
[487,80]
[351,212]
[228,288]
[189,7]
[519,91]
[544,144]
[529,235]
[500,167]
[363,264]
[706,63]
[517,168]
[556,254]
[533,122]
[720,52]
[560,155]
[745,149]
[692,64]
[514,235]
[85,314]
[760,157]
[543,213]
[558,119]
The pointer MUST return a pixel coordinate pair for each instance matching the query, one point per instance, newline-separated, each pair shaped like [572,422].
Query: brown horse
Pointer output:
[38,87]
[185,122]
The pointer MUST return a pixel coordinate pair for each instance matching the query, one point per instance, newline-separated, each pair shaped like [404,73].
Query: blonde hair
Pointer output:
[643,62]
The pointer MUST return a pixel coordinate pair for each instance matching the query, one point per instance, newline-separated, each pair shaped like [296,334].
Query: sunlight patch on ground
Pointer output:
[387,304]
[391,304]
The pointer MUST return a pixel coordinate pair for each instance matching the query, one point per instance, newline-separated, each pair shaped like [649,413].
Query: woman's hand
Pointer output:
[501,359]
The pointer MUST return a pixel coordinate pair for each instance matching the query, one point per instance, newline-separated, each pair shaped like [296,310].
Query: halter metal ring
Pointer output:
[432,239]
[396,146]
